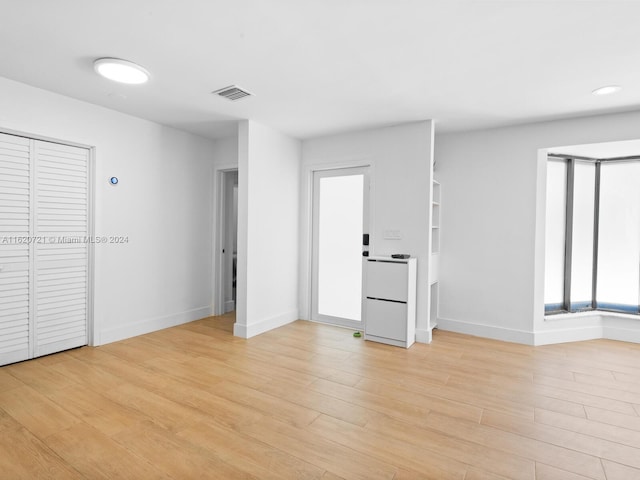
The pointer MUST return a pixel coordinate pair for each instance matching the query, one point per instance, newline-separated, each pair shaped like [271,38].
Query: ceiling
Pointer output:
[318,67]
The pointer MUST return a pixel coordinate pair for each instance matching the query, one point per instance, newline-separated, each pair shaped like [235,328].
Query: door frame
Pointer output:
[219,209]
[307,232]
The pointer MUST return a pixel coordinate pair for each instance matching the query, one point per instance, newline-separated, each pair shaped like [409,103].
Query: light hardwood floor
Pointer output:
[310,401]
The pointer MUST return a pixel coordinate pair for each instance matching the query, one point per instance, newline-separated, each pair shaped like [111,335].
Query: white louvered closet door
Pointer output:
[44,254]
[61,251]
[15,201]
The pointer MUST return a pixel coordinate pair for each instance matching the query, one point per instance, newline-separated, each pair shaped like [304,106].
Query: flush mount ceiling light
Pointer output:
[608,90]
[121,71]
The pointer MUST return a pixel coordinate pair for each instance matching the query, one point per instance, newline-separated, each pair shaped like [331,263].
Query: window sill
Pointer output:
[590,313]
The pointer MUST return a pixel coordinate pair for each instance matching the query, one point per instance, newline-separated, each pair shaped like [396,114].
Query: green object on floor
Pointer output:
[357,334]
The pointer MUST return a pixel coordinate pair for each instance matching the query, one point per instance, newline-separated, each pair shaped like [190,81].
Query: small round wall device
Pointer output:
[113,180]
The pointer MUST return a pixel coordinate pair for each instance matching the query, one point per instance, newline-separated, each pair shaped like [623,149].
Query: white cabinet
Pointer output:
[389,303]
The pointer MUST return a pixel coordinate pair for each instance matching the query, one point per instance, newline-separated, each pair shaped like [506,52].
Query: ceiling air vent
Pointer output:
[232,93]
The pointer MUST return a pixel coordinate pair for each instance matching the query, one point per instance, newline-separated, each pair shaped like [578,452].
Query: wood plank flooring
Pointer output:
[309,401]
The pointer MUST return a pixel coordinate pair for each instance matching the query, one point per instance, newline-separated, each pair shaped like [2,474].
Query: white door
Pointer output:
[15,207]
[61,254]
[340,220]
[44,250]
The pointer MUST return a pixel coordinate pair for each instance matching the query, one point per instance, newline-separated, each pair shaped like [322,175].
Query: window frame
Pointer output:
[565,306]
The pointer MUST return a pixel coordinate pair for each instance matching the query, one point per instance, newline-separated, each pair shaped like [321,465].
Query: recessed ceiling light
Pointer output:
[121,71]
[608,90]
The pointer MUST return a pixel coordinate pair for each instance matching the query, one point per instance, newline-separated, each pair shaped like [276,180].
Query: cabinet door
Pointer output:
[386,319]
[15,205]
[387,280]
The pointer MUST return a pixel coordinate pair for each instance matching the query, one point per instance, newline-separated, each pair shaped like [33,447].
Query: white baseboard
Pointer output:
[622,334]
[262,326]
[620,327]
[423,335]
[229,306]
[565,335]
[149,325]
[486,331]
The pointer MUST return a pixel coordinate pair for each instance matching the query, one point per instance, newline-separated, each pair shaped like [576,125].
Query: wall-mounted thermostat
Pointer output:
[113,180]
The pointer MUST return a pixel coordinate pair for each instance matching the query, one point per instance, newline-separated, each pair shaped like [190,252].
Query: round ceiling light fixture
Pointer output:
[608,90]
[121,71]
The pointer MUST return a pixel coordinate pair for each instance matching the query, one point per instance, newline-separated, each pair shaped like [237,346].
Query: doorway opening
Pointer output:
[227,240]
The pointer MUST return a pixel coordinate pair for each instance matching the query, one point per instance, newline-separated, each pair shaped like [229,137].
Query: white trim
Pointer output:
[486,331]
[248,331]
[566,335]
[306,222]
[92,328]
[218,306]
[153,324]
[563,328]
[424,335]
[539,237]
[620,333]
[591,314]
[44,138]
[606,325]
[317,176]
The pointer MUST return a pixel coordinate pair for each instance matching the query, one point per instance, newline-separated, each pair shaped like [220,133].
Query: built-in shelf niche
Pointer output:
[435,218]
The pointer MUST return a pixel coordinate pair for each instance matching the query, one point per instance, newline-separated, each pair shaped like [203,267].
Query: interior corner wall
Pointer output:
[492,224]
[400,160]
[268,228]
[162,204]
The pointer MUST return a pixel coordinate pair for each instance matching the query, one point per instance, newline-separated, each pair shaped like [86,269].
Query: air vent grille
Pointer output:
[232,92]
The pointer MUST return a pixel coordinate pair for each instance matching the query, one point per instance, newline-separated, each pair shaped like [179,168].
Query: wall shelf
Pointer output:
[435,253]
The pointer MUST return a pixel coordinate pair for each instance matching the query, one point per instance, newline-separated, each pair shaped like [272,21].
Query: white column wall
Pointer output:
[268,229]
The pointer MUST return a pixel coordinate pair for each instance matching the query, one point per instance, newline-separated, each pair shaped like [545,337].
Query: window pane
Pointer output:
[582,241]
[555,234]
[619,236]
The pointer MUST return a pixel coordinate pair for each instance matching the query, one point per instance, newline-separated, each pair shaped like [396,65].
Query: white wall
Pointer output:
[225,152]
[268,213]
[492,235]
[400,158]
[163,203]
